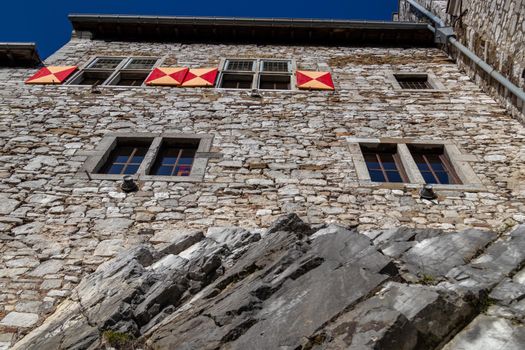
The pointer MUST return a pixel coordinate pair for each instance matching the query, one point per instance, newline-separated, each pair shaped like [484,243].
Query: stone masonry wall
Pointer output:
[495,31]
[55,226]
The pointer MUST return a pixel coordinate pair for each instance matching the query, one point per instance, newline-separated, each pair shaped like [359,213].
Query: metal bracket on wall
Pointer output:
[442,34]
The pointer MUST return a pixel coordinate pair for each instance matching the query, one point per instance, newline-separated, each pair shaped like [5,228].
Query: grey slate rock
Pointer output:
[438,255]
[297,287]
[489,333]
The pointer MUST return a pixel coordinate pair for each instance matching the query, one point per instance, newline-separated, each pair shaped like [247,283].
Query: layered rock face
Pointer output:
[301,287]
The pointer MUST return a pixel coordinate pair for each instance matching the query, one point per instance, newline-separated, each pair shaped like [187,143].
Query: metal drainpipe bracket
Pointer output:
[442,34]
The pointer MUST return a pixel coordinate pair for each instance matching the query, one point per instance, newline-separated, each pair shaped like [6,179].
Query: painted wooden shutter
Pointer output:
[312,80]
[200,77]
[52,75]
[167,76]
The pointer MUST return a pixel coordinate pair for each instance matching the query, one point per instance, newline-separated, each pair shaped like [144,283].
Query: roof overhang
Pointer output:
[253,30]
[19,55]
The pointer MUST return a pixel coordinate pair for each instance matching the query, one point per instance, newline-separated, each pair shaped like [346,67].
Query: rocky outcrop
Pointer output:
[299,287]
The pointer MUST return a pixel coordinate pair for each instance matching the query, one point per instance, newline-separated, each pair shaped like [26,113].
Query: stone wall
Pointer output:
[493,30]
[56,226]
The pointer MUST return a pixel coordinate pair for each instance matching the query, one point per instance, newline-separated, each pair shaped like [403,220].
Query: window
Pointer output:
[174,159]
[413,163]
[383,163]
[153,157]
[415,81]
[119,71]
[274,82]
[125,158]
[256,74]
[434,165]
[237,81]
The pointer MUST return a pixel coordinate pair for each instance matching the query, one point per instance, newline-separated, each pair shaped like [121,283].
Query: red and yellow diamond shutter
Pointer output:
[167,76]
[52,75]
[200,77]
[312,80]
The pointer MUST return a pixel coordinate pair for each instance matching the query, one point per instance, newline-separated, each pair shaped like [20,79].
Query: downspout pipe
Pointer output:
[491,71]
[437,21]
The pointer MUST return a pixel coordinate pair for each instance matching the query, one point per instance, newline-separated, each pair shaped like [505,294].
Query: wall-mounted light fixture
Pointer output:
[427,192]
[128,185]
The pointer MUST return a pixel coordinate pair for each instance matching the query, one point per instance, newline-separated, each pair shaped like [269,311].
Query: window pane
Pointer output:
[131,169]
[236,81]
[141,63]
[121,158]
[275,66]
[130,82]
[429,178]
[174,155]
[130,153]
[377,176]
[394,176]
[137,159]
[413,82]
[91,78]
[183,170]
[115,169]
[373,166]
[240,65]
[443,177]
[186,161]
[274,82]
[163,170]
[106,63]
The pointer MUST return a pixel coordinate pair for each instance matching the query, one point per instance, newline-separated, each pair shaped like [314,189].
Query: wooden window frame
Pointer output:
[447,165]
[365,148]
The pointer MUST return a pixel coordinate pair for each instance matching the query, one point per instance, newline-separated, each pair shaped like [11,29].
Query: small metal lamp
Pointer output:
[128,185]
[427,192]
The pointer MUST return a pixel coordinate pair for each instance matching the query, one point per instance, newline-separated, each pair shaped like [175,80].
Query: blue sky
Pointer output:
[45,21]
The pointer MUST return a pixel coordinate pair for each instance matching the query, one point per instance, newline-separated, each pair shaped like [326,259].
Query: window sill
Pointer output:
[411,186]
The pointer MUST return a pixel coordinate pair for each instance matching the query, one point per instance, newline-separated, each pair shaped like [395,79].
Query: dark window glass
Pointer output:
[130,82]
[125,158]
[91,78]
[141,63]
[274,82]
[236,81]
[240,65]
[434,165]
[383,163]
[130,79]
[275,66]
[414,82]
[174,159]
[106,63]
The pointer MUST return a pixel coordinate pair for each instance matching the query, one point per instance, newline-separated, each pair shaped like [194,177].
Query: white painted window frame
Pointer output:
[257,71]
[113,73]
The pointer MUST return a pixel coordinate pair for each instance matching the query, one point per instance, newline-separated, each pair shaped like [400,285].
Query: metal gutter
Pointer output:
[244,21]
[491,71]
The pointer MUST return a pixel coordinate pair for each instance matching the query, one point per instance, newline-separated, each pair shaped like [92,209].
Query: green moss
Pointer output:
[119,340]
[484,304]
[428,279]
